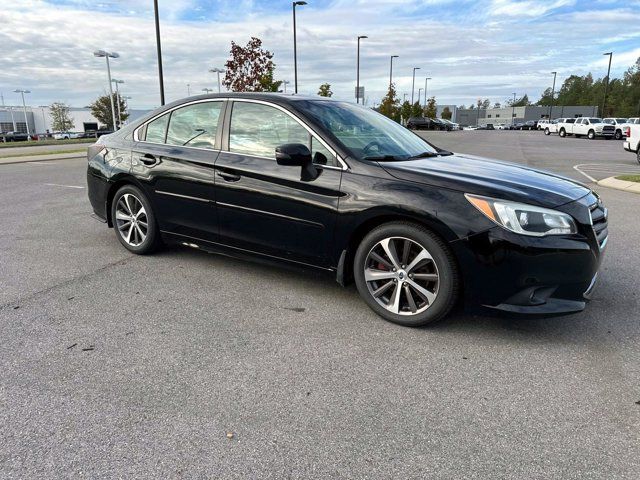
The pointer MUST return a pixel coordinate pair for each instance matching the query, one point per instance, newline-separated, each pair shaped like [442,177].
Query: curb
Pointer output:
[613,182]
[41,158]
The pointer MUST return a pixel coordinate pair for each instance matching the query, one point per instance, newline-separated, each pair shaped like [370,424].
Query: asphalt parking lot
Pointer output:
[191,365]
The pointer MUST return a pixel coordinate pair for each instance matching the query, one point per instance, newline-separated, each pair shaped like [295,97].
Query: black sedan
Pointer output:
[336,187]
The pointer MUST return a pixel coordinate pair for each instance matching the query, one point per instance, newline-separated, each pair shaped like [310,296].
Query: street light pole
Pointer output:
[553,91]
[606,85]
[391,70]
[513,108]
[358,71]
[24,109]
[159,51]
[218,71]
[413,83]
[118,100]
[404,97]
[419,92]
[425,91]
[107,55]
[188,89]
[285,83]
[207,90]
[295,47]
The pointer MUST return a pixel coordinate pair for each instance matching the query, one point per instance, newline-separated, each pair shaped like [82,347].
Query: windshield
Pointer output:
[595,120]
[621,120]
[366,133]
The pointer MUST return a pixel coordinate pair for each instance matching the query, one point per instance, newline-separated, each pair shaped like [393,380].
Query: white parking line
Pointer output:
[59,185]
[613,168]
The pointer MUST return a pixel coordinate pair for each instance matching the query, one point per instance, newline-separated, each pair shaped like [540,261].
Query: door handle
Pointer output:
[148,159]
[228,177]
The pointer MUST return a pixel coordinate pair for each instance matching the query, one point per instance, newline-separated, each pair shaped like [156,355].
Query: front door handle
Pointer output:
[228,177]
[148,159]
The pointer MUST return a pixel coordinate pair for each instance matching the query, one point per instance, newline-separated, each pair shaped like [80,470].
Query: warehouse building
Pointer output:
[12,119]
[508,115]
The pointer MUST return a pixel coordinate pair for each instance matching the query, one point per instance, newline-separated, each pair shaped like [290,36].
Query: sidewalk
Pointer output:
[42,158]
[623,185]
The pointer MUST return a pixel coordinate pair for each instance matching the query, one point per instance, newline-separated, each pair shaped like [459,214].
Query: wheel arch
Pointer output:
[118,182]
[374,219]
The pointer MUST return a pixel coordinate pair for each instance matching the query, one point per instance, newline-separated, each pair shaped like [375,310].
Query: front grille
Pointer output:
[608,128]
[599,220]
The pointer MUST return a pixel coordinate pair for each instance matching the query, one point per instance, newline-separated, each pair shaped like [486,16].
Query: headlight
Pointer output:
[522,218]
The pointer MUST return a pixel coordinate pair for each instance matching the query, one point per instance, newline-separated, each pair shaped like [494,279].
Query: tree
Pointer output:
[497,105]
[325,90]
[486,103]
[462,107]
[431,111]
[416,110]
[250,68]
[390,105]
[405,110]
[61,121]
[446,113]
[101,109]
[521,102]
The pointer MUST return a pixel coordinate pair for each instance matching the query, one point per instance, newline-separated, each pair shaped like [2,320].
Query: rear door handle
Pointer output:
[148,159]
[228,177]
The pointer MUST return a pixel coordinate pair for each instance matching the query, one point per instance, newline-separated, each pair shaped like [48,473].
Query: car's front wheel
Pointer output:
[547,132]
[134,221]
[406,274]
[618,135]
[563,133]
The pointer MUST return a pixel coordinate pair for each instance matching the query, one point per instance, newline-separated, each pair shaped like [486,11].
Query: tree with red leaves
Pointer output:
[250,69]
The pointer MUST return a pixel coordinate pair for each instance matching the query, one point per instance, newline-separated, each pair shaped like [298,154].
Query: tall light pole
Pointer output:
[404,97]
[513,108]
[285,83]
[107,55]
[295,47]
[413,83]
[118,100]
[188,89]
[606,85]
[391,70]
[24,108]
[44,121]
[553,92]
[207,90]
[419,92]
[426,80]
[159,50]
[358,70]
[218,71]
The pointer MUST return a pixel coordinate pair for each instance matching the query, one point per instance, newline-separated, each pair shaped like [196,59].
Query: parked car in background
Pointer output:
[470,127]
[419,123]
[66,135]
[488,126]
[591,127]
[440,124]
[630,121]
[542,123]
[632,143]
[454,126]
[14,137]
[552,126]
[618,123]
[337,187]
[529,125]
[501,126]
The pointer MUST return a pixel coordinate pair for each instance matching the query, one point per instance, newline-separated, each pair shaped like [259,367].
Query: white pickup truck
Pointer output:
[632,144]
[586,126]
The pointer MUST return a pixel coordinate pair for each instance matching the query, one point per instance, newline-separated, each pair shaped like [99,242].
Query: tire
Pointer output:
[638,154]
[547,132]
[591,135]
[618,135]
[563,133]
[138,238]
[433,294]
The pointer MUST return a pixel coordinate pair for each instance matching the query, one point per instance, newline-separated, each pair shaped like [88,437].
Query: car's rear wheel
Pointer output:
[406,274]
[134,221]
[563,133]
[591,135]
[547,132]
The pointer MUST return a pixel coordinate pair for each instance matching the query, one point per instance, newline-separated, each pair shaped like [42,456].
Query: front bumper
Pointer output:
[530,275]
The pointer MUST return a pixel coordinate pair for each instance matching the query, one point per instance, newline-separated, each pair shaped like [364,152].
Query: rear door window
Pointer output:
[157,129]
[195,125]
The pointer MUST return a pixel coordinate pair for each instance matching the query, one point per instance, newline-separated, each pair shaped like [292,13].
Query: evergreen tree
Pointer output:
[390,105]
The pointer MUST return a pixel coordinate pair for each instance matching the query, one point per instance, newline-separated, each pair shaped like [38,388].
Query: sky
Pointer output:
[469,48]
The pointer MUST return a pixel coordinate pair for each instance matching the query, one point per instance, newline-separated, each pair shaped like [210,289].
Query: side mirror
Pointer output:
[293,154]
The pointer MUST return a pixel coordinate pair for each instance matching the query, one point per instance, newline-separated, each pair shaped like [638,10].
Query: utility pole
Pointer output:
[159,51]
[606,85]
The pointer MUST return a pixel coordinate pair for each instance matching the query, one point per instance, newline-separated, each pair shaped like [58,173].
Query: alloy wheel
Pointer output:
[401,275]
[131,220]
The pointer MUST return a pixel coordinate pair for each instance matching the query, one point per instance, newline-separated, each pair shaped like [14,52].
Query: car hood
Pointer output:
[492,178]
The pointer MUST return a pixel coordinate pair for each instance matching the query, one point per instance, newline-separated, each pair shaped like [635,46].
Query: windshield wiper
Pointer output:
[383,158]
[424,155]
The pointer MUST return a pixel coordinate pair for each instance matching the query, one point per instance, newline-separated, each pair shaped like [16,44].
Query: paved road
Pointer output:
[115,365]
[597,159]
[38,149]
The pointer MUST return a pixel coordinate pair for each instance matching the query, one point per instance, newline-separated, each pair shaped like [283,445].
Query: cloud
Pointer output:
[469,48]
